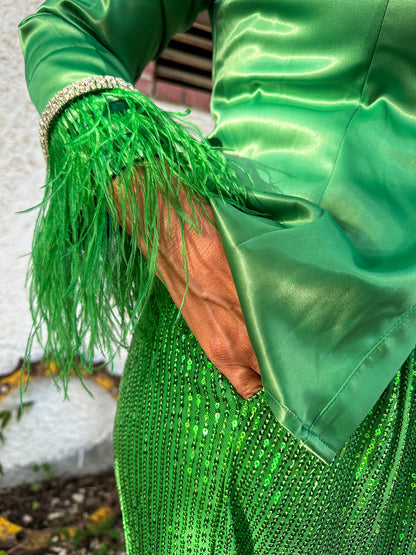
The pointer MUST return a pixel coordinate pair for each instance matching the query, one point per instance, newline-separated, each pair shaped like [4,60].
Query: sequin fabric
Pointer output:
[202,471]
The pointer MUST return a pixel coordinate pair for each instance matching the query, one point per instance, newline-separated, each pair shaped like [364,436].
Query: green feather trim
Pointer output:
[89,282]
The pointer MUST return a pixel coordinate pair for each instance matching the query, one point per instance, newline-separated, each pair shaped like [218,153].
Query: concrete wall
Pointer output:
[73,435]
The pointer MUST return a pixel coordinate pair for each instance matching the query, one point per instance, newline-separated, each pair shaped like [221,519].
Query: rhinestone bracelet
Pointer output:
[99,82]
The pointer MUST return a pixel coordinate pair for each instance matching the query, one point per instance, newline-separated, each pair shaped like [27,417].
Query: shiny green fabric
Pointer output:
[317,102]
[66,41]
[318,99]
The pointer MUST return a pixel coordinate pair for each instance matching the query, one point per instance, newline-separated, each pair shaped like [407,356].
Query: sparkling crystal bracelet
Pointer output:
[61,99]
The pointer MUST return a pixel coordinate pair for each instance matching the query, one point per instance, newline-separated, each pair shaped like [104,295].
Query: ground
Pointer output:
[77,516]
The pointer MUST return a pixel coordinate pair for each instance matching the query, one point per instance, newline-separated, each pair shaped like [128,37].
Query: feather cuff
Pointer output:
[89,283]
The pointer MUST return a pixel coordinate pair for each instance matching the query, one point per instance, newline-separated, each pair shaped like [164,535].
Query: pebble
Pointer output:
[27,519]
[59,550]
[57,514]
[78,497]
[4,388]
[95,544]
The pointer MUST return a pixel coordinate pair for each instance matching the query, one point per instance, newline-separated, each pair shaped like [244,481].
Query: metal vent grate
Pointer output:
[187,60]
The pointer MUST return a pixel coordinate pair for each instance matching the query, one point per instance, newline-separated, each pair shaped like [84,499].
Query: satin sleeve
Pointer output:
[69,40]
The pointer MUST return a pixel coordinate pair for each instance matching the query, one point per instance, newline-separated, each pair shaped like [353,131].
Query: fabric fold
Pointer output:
[328,327]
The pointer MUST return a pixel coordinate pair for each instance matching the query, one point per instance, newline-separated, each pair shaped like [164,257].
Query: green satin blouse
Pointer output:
[317,102]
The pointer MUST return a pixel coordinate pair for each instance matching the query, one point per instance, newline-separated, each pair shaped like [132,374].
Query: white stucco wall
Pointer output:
[52,430]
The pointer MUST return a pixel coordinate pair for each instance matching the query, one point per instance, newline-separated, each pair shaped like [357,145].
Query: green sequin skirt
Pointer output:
[201,470]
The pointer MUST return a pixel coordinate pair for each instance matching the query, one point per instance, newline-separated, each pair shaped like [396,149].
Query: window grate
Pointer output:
[187,60]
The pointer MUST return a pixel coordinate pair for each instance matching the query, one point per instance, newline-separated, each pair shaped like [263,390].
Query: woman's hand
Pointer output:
[211,308]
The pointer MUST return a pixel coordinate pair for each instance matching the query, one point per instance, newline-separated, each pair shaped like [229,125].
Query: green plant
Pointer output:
[105,532]
[48,474]
[35,487]
[46,468]
[108,538]
[5,416]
